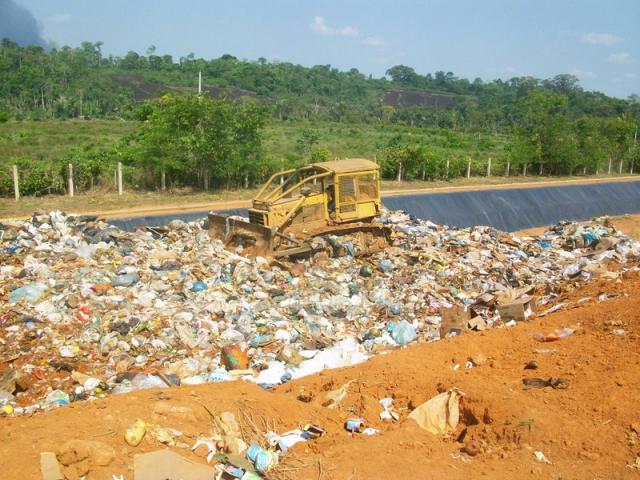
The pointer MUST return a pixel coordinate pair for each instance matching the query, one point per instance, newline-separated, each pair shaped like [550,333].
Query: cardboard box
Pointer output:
[454,319]
[518,310]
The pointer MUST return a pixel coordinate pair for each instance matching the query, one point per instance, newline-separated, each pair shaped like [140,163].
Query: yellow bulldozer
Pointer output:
[321,206]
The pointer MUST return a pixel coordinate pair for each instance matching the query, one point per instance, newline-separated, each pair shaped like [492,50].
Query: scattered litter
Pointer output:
[440,414]
[134,434]
[539,456]
[355,424]
[209,445]
[556,383]
[555,308]
[176,305]
[264,460]
[333,398]
[388,413]
[49,467]
[157,465]
[558,334]
[287,440]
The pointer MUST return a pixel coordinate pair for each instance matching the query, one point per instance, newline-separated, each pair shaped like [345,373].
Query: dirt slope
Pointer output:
[584,430]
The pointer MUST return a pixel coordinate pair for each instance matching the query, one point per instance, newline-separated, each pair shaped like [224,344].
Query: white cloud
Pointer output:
[582,73]
[374,41]
[60,18]
[621,57]
[320,26]
[606,39]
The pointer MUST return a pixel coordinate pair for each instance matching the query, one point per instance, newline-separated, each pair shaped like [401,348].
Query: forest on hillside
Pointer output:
[553,126]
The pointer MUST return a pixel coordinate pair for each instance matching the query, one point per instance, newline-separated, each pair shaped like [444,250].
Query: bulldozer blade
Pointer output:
[255,239]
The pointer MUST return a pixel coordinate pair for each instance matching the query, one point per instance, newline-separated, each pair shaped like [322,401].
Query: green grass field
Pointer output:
[49,140]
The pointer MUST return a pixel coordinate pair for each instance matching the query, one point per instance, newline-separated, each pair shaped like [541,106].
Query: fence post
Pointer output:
[163,180]
[524,170]
[70,179]
[489,167]
[620,167]
[447,172]
[609,170]
[16,183]
[541,165]
[119,176]
[508,168]
[468,167]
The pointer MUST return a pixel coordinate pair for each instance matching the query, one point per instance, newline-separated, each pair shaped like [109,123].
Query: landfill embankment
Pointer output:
[587,430]
[507,207]
[139,206]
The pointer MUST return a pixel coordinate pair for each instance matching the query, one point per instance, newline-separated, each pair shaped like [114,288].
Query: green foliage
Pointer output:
[548,139]
[320,154]
[195,138]
[308,138]
[80,82]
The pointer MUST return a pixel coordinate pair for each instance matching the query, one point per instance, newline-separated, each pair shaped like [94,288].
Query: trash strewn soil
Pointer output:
[586,430]
[98,328]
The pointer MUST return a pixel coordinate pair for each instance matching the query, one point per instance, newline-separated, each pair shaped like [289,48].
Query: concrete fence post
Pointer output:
[163,180]
[508,168]
[447,171]
[468,167]
[489,167]
[16,183]
[609,170]
[524,170]
[620,167]
[70,180]
[119,177]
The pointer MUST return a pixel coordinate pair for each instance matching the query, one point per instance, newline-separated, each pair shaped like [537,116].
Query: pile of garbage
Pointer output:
[87,309]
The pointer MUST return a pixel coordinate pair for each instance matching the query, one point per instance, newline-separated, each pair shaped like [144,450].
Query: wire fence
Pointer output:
[28,178]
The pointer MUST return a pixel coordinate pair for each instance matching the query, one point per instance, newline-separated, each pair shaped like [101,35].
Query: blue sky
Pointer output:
[598,41]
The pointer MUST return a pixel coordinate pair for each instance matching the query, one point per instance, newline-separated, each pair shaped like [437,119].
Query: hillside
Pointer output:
[72,82]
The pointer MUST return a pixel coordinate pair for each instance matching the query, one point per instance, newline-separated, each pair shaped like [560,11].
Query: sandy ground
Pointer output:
[588,430]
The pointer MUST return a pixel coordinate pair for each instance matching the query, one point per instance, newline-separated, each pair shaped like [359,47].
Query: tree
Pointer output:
[197,135]
[544,136]
[308,138]
[403,75]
